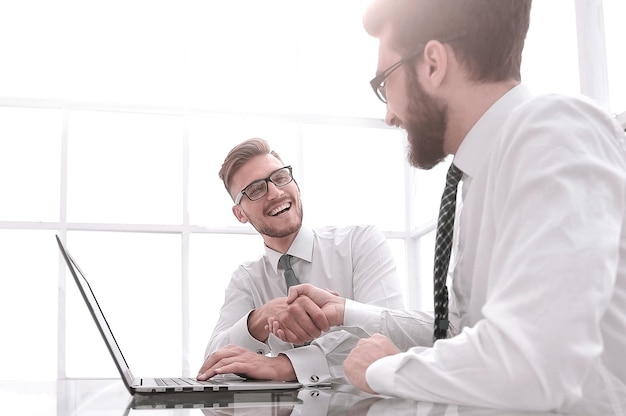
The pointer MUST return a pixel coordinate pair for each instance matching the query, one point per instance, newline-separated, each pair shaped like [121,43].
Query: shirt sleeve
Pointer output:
[372,271]
[375,282]
[554,207]
[232,325]
[375,279]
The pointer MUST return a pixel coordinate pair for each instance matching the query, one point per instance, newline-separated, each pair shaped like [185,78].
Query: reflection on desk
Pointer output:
[109,397]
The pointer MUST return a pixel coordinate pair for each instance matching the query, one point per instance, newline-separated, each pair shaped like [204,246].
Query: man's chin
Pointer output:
[423,163]
[281,231]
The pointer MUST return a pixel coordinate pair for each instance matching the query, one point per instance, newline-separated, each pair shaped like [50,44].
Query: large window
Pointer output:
[114,120]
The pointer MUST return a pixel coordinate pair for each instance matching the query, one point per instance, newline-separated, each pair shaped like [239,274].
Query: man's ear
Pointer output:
[239,214]
[436,61]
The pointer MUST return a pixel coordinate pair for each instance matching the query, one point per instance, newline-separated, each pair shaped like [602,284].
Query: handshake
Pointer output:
[303,316]
[310,312]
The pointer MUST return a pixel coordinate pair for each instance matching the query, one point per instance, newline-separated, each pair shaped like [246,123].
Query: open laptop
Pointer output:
[155,386]
[222,403]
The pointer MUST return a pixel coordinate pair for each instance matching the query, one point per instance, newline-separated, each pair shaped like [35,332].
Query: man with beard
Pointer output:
[353,261]
[537,308]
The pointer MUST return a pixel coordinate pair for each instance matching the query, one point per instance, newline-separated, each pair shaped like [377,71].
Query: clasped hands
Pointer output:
[312,311]
[304,315]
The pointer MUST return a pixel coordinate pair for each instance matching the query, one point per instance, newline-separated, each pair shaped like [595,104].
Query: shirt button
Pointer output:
[314,393]
[259,351]
[314,378]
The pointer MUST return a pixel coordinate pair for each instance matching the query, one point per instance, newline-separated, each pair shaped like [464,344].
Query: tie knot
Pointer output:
[285,262]
[454,175]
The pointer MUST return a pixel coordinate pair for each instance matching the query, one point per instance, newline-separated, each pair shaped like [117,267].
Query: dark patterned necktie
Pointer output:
[290,276]
[443,245]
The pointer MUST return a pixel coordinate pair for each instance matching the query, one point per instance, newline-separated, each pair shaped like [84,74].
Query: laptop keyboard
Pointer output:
[184,382]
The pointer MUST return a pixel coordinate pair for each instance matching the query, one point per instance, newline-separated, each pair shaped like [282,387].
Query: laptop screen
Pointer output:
[96,312]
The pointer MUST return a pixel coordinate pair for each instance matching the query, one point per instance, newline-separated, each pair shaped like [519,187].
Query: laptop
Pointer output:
[163,385]
[233,402]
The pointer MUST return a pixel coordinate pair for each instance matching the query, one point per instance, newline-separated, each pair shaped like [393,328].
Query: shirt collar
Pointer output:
[302,248]
[473,150]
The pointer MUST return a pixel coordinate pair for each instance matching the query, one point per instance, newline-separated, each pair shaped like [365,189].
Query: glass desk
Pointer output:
[109,397]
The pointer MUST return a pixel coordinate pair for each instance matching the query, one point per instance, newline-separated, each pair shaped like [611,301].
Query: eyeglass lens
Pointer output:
[258,189]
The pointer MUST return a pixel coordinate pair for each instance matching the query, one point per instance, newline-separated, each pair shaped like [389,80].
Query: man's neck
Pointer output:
[469,106]
[280,244]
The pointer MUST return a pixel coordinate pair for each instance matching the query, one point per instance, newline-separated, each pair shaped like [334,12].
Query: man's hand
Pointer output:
[367,351]
[238,360]
[257,320]
[311,311]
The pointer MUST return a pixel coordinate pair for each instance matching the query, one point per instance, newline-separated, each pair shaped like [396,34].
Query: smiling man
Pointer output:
[353,261]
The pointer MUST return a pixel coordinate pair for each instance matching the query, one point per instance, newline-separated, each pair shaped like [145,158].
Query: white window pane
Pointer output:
[28,305]
[615,30]
[32,66]
[426,193]
[242,54]
[354,175]
[337,60]
[30,154]
[212,260]
[125,51]
[114,51]
[124,168]
[550,58]
[137,281]
[210,140]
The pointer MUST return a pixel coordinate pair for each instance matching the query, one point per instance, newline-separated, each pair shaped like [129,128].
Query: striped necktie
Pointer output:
[443,246]
[290,276]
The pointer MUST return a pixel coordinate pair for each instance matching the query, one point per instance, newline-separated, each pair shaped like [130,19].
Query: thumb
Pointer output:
[295,291]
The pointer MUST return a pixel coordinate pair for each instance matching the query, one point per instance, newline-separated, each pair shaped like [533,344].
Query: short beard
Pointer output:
[273,232]
[425,125]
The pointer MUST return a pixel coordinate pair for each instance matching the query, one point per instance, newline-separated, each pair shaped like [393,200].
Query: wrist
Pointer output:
[256,326]
[341,310]
[284,368]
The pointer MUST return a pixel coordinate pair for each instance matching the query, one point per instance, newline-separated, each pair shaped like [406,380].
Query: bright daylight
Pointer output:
[327,259]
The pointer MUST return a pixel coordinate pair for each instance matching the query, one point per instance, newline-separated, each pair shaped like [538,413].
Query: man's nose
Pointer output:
[273,191]
[390,118]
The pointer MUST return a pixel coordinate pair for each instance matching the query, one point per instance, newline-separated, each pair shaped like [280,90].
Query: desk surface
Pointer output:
[109,397]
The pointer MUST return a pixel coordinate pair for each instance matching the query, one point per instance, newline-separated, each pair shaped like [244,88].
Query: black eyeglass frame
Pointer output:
[266,180]
[378,80]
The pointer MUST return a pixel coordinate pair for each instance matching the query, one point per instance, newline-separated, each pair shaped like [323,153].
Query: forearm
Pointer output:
[322,360]
[235,334]
[405,328]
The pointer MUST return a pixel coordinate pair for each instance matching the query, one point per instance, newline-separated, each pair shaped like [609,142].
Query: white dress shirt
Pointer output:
[538,299]
[354,261]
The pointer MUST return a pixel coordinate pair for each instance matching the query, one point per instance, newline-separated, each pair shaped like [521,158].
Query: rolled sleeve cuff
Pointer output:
[360,315]
[239,335]
[380,375]
[309,364]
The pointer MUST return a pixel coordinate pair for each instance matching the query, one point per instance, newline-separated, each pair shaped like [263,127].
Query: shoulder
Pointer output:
[345,231]
[555,120]
[249,268]
[563,112]
[350,236]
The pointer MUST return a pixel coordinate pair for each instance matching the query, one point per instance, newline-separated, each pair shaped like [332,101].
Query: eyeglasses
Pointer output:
[378,82]
[257,189]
